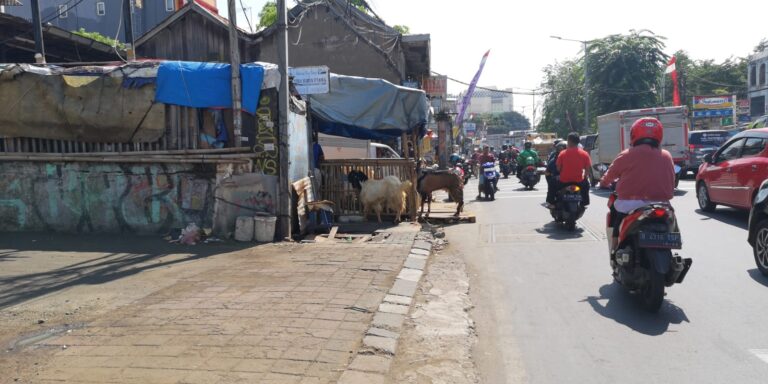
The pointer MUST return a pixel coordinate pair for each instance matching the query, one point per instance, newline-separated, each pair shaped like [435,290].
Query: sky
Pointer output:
[518,32]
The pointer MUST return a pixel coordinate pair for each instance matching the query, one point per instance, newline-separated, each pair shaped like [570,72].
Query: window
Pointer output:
[169,5]
[762,74]
[731,151]
[101,9]
[753,147]
[63,11]
[753,75]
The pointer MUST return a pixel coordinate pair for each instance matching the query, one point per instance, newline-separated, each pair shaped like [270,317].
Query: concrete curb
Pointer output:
[372,363]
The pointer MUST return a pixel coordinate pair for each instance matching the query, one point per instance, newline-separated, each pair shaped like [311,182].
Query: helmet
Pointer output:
[646,128]
[528,145]
[556,142]
[504,147]
[561,144]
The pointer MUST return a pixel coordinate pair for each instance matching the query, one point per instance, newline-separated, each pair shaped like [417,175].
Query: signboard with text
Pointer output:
[435,86]
[311,80]
[713,102]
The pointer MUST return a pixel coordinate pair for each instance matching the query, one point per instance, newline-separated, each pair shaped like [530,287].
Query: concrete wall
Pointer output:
[93,197]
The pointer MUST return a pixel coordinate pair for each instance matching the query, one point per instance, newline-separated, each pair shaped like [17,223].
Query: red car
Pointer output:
[732,175]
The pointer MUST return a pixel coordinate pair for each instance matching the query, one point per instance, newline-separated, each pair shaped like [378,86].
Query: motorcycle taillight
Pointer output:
[659,213]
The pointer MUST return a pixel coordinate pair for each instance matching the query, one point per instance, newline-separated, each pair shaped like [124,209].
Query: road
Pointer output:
[547,310]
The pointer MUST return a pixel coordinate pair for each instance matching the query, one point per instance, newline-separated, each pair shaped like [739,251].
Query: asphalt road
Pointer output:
[547,310]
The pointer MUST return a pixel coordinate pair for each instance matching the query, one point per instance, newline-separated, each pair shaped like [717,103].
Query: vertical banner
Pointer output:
[468,96]
[672,69]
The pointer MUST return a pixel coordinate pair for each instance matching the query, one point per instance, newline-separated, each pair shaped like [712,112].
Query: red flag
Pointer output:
[672,69]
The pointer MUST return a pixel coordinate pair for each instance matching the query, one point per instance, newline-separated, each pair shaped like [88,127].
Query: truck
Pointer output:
[613,137]
[338,147]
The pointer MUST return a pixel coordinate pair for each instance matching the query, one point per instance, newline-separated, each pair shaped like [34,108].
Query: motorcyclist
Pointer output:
[573,165]
[455,156]
[485,157]
[645,173]
[527,157]
[504,154]
[553,175]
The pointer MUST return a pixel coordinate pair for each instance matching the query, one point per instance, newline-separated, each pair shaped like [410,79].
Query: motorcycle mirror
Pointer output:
[708,158]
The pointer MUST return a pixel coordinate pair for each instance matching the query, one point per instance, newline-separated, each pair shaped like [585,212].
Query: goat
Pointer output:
[431,181]
[377,195]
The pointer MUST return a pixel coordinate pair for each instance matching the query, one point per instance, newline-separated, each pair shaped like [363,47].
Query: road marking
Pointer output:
[761,354]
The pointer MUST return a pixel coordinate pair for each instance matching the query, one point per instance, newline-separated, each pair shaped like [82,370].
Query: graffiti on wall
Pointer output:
[78,197]
[266,134]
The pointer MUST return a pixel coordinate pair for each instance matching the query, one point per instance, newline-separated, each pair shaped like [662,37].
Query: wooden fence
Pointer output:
[335,187]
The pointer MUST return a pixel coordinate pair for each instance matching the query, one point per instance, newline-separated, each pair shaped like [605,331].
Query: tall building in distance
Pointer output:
[758,84]
[104,16]
[491,100]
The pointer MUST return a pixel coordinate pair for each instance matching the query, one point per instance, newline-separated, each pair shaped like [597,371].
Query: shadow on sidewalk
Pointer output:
[115,257]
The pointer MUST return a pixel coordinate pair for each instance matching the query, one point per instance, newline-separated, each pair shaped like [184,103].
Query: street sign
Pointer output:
[311,80]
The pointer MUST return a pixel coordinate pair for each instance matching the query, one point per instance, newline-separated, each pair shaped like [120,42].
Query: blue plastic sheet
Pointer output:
[206,85]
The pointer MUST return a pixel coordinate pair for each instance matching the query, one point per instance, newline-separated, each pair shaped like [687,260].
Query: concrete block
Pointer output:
[404,288]
[422,244]
[410,274]
[380,332]
[415,256]
[393,308]
[371,363]
[357,377]
[422,252]
[390,321]
[381,344]
[415,263]
[394,299]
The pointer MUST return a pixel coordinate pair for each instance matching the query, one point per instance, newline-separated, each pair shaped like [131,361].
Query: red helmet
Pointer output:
[646,128]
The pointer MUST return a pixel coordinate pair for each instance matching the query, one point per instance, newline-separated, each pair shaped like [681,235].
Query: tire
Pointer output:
[677,180]
[652,294]
[592,180]
[570,225]
[702,195]
[760,249]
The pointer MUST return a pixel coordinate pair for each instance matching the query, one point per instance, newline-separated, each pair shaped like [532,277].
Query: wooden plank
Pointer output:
[332,234]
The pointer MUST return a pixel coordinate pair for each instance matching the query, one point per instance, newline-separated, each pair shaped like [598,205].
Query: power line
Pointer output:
[247,19]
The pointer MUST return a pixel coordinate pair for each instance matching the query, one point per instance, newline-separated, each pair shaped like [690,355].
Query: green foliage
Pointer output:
[99,37]
[504,122]
[402,29]
[623,73]
[706,77]
[762,46]
[268,14]
[360,4]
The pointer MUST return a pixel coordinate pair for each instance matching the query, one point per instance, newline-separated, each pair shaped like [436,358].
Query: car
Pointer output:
[758,228]
[733,174]
[701,143]
[760,122]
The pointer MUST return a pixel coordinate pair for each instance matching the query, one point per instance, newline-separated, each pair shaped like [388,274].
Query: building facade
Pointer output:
[757,84]
[104,16]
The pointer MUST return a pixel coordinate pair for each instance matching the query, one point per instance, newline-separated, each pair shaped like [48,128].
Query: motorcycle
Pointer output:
[506,167]
[467,169]
[568,206]
[530,176]
[490,175]
[643,261]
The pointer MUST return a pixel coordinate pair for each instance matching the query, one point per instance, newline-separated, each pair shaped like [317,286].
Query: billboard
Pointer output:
[435,86]
[713,102]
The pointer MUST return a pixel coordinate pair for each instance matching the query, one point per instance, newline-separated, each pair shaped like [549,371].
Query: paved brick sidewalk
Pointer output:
[278,313]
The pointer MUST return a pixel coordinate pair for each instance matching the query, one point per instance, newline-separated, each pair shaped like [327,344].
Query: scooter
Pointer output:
[490,175]
[506,168]
[568,206]
[643,261]
[530,176]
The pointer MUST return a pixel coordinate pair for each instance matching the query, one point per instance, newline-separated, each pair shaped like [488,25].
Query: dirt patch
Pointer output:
[436,346]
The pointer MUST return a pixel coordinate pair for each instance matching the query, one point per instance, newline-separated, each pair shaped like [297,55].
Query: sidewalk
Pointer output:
[280,313]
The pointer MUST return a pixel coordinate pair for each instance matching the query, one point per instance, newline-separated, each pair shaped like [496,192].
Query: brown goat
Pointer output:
[431,181]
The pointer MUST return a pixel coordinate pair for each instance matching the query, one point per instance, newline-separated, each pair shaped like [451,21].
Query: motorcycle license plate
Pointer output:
[660,240]
[571,197]
[489,170]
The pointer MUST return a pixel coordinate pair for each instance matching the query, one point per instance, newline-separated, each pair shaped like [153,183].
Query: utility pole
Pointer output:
[128,21]
[586,87]
[283,187]
[234,58]
[37,28]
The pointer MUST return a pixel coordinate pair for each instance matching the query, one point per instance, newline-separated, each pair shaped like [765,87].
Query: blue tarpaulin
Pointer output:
[207,85]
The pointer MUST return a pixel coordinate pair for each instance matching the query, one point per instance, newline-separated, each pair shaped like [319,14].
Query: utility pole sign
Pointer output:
[311,80]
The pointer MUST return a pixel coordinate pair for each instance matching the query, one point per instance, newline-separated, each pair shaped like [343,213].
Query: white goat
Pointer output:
[377,195]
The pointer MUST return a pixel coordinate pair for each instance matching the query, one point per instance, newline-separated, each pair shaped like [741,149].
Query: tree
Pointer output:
[502,123]
[268,14]
[706,77]
[624,70]
[402,29]
[623,73]
[761,46]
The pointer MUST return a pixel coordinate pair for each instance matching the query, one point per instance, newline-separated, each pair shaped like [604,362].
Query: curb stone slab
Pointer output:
[422,252]
[380,332]
[382,344]
[410,274]
[415,256]
[371,363]
[404,288]
[395,299]
[415,263]
[388,320]
[394,308]
[422,244]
